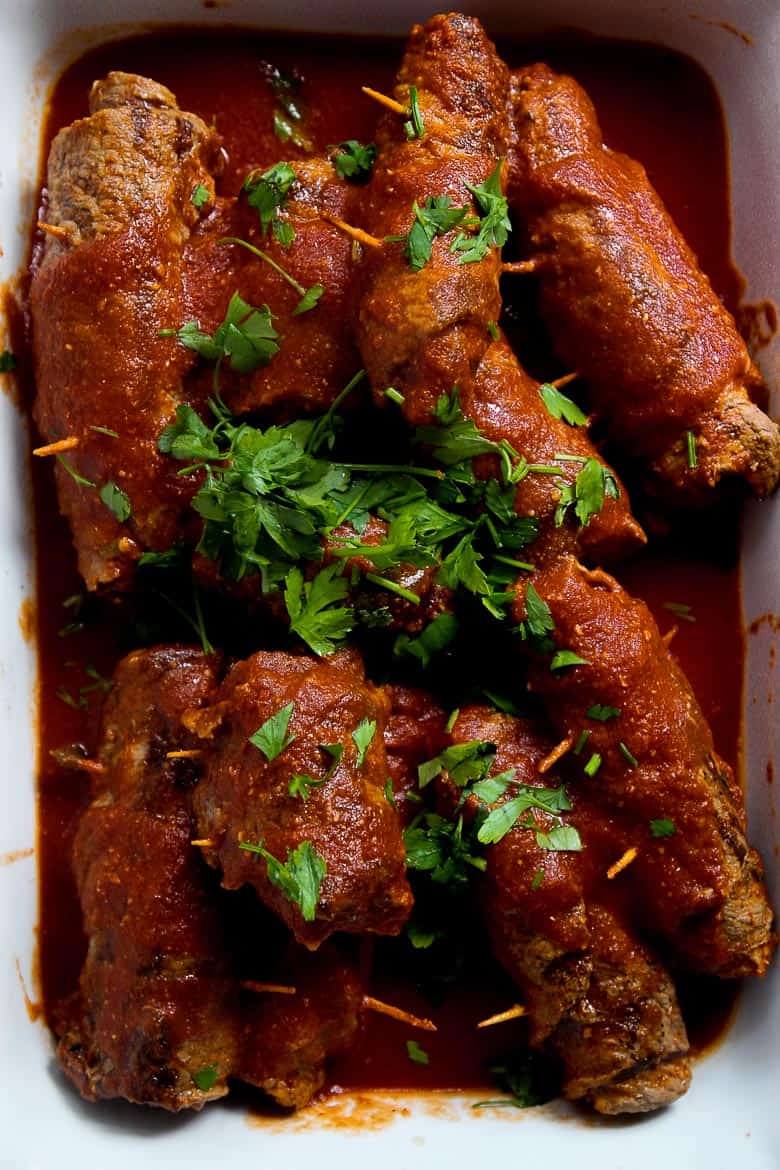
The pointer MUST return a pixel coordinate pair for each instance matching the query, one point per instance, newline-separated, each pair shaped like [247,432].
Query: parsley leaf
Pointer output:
[526,1079]
[416,1054]
[353,160]
[188,438]
[116,501]
[74,475]
[560,406]
[440,848]
[268,191]
[246,336]
[504,817]
[7,362]
[662,827]
[200,196]
[538,624]
[272,738]
[602,713]
[302,785]
[362,736]
[494,225]
[461,761]
[309,299]
[594,483]
[435,637]
[389,794]
[313,606]
[562,658]
[562,839]
[206,1078]
[436,217]
[299,878]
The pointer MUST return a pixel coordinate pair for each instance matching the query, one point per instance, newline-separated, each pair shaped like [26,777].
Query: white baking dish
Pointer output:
[731,1116]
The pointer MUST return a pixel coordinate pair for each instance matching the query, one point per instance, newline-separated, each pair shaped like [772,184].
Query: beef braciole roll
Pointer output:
[595,994]
[430,292]
[647,754]
[628,306]
[288,1036]
[155,1021]
[305,277]
[119,210]
[292,796]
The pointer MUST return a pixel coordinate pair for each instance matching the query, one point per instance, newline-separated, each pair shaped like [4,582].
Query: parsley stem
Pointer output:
[323,425]
[353,503]
[301,291]
[543,468]
[564,458]
[515,564]
[393,587]
[430,472]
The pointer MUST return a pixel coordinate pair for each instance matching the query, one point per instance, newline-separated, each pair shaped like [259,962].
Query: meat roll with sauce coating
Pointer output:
[156,1018]
[343,838]
[628,306]
[426,331]
[650,758]
[596,996]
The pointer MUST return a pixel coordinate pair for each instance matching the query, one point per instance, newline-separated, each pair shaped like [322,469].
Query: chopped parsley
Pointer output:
[537,879]
[315,608]
[267,192]
[602,713]
[584,736]
[74,475]
[299,878]
[593,765]
[416,1054]
[526,1079]
[492,329]
[538,624]
[561,839]
[505,816]
[683,612]
[415,127]
[442,849]
[353,160]
[389,794]
[362,737]
[309,299]
[662,827]
[7,362]
[563,658]
[116,501]
[206,1078]
[627,755]
[271,737]
[462,762]
[436,636]
[436,217]
[593,484]
[559,406]
[690,444]
[200,196]
[246,337]
[289,113]
[494,225]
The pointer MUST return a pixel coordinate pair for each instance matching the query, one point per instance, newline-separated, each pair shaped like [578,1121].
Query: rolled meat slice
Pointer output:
[286,1040]
[317,355]
[292,796]
[596,995]
[628,306]
[156,1018]
[649,758]
[119,187]
[426,330]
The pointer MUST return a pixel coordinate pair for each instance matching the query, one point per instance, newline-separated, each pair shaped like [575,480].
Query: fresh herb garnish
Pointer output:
[267,192]
[353,160]
[414,128]
[309,299]
[299,878]
[562,658]
[206,1078]
[200,196]
[584,736]
[602,713]
[246,337]
[74,475]
[559,406]
[271,737]
[315,608]
[442,849]
[593,765]
[525,1078]
[537,879]
[538,623]
[435,637]
[593,484]
[289,113]
[362,737]
[504,817]
[683,612]
[416,1054]
[561,839]
[462,762]
[492,329]
[627,755]
[494,224]
[690,444]
[662,827]
[7,362]
[116,501]
[436,217]
[389,794]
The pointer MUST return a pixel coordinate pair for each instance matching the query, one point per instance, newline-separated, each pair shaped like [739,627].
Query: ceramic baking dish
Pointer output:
[730,1118]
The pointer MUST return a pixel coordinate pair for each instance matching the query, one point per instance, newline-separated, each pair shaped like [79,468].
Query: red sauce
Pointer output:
[640,92]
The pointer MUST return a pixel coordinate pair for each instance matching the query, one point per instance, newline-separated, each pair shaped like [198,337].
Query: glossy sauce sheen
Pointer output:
[639,93]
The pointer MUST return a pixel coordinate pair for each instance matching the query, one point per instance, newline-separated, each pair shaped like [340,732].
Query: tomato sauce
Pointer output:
[640,93]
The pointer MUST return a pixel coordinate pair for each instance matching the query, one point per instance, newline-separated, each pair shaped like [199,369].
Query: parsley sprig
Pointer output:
[299,878]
